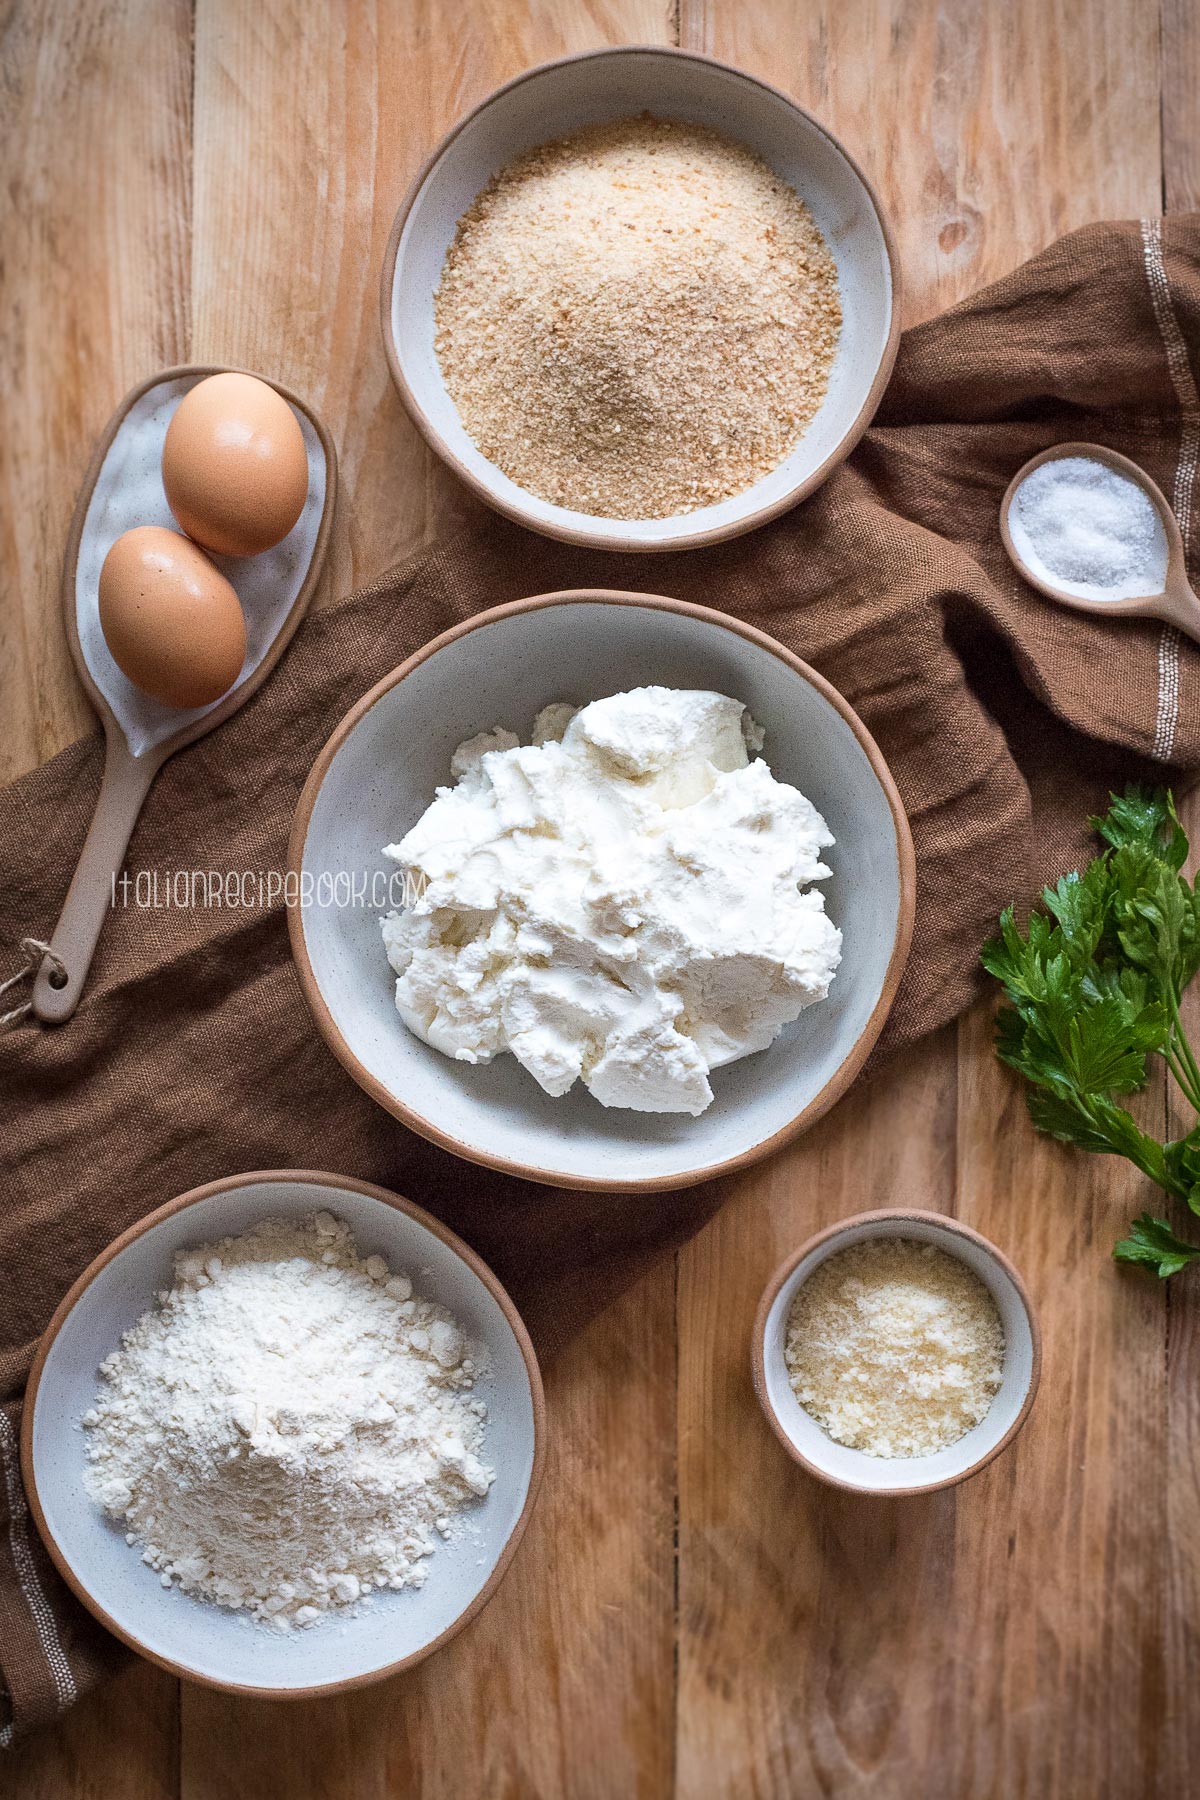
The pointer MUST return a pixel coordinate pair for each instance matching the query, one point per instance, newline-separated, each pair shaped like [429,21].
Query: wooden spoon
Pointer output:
[1177,604]
[124,481]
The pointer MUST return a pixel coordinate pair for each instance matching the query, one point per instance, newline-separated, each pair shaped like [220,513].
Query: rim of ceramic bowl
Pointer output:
[615,539]
[473,1261]
[902,1215]
[841,1078]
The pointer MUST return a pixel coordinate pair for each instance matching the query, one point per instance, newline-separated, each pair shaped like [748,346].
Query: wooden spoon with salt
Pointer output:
[1177,603]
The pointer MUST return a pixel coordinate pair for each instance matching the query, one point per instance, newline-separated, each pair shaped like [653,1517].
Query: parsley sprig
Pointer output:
[1094,988]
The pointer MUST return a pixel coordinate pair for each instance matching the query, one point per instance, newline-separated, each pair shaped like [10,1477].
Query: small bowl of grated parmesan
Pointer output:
[896,1352]
[640,300]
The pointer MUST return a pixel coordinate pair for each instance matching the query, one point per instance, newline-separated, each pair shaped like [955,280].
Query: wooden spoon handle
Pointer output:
[1179,605]
[126,782]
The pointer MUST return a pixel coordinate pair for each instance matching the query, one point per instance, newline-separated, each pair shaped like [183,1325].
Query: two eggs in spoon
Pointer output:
[235,475]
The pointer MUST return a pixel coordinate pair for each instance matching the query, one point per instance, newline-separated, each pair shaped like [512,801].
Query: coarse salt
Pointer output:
[1082,526]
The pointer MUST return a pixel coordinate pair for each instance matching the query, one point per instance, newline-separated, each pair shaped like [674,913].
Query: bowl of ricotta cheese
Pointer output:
[602,889]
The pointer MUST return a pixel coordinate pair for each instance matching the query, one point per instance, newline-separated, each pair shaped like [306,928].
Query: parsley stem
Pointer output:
[1182,1077]
[1144,1153]
[1184,1053]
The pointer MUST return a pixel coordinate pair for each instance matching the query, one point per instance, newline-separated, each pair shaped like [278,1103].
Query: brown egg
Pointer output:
[234,466]
[172,621]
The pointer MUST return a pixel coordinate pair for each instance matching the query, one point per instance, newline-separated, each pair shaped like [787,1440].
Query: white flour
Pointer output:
[289,1427]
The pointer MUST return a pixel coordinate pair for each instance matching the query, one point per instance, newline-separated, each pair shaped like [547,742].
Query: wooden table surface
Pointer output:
[688,1614]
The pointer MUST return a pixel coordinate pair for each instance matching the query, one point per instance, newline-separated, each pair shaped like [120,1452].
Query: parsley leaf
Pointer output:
[1137,817]
[1152,1243]
[1094,985]
[1182,1160]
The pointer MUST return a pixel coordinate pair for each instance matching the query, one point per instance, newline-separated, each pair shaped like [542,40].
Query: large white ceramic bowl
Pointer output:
[558,97]
[205,1643]
[838,1464]
[376,776]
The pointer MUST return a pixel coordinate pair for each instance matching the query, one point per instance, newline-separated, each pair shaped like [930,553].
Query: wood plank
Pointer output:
[1181,1604]
[825,1644]
[1057,1663]
[987,130]
[1181,189]
[310,123]
[838,1645]
[95,139]
[94,219]
[1180,105]
[120,1743]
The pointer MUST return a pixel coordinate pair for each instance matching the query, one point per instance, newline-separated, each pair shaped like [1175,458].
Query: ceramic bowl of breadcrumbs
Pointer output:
[640,300]
[896,1352]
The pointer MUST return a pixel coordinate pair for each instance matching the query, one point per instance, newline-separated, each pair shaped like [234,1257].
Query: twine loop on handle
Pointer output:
[35,952]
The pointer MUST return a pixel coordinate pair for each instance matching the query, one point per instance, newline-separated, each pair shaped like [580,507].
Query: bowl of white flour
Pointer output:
[606,890]
[284,1436]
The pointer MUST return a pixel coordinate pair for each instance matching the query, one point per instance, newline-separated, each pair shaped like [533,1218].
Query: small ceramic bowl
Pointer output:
[206,1643]
[377,775]
[837,1464]
[559,97]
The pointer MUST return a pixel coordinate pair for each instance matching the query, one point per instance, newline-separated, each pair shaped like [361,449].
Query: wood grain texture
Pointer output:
[95,248]
[1180,105]
[987,129]
[1061,1551]
[688,1614]
[1007,1637]
[1181,1510]
[121,1743]
[1181,1602]
[796,1669]
[94,252]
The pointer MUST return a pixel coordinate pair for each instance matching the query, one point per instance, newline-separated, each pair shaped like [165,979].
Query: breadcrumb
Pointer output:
[637,320]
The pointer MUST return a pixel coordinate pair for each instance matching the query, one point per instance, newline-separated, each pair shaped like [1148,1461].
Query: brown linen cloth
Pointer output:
[1004,718]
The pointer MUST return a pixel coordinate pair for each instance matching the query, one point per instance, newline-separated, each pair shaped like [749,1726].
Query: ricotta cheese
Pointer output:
[625,901]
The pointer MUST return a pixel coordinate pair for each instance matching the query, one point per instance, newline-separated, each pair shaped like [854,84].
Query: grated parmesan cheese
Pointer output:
[894,1347]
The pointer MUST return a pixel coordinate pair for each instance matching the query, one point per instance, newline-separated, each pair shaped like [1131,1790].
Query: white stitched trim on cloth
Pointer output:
[1168,694]
[27,1575]
[1184,383]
